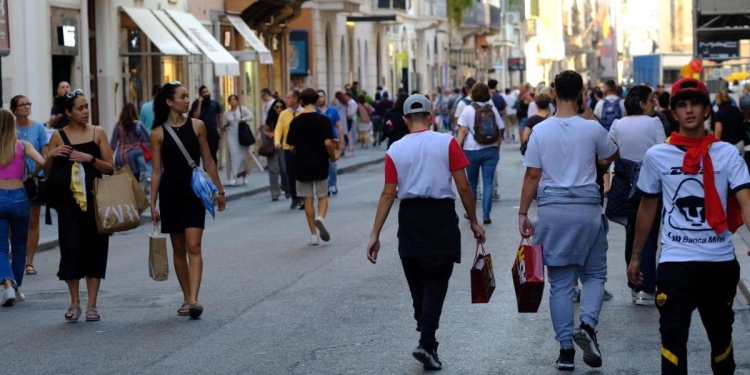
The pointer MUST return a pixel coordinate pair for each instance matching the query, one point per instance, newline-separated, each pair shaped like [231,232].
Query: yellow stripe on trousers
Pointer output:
[724,355]
[669,356]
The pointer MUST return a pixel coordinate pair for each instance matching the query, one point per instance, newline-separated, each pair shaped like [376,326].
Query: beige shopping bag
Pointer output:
[158,261]
[116,206]
[141,200]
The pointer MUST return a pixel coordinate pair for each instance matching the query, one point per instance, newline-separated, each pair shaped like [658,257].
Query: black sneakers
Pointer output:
[585,337]
[428,356]
[566,360]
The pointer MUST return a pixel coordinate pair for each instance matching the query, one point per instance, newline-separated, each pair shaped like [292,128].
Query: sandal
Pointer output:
[195,310]
[92,315]
[30,269]
[73,314]
[184,309]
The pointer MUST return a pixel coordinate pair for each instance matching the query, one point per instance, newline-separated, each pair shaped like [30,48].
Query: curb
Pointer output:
[50,243]
[743,284]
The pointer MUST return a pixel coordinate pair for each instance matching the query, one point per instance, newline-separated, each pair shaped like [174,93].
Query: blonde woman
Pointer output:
[83,251]
[15,206]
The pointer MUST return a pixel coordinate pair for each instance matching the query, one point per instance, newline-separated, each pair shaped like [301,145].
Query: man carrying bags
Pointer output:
[419,169]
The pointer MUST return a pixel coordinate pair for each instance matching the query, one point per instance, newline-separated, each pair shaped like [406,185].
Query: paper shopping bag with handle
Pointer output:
[116,206]
[141,200]
[158,261]
[528,276]
[482,277]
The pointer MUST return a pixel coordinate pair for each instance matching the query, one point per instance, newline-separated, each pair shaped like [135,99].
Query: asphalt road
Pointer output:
[276,306]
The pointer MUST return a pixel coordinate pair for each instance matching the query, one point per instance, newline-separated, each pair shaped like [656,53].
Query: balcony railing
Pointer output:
[476,16]
[495,17]
[392,4]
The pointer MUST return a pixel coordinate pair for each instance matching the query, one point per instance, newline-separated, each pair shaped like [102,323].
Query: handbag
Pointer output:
[482,277]
[32,189]
[622,201]
[115,202]
[528,276]
[266,148]
[202,186]
[245,134]
[146,152]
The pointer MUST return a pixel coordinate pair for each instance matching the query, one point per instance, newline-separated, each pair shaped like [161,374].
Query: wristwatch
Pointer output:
[93,159]
[222,193]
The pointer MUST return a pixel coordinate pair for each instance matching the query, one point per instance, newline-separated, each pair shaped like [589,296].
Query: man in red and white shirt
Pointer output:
[420,169]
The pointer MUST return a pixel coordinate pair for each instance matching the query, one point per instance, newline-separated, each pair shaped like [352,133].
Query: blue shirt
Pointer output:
[147,114]
[36,135]
[333,115]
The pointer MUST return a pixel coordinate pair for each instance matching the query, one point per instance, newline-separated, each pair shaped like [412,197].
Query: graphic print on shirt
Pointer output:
[688,207]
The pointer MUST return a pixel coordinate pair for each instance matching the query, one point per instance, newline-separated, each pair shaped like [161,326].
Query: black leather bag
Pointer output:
[245,134]
[29,183]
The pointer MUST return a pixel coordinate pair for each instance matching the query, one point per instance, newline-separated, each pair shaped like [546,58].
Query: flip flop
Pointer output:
[195,310]
[30,270]
[184,310]
[92,315]
[73,314]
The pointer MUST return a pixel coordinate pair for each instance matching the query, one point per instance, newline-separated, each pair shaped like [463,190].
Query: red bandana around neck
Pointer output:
[697,150]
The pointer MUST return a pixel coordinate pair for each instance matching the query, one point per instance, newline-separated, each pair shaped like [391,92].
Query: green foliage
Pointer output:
[456,10]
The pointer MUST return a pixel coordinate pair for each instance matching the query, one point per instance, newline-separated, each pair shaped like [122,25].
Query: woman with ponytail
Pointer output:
[180,211]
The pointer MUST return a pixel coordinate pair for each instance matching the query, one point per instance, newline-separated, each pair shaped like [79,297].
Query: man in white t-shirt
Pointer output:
[561,162]
[703,184]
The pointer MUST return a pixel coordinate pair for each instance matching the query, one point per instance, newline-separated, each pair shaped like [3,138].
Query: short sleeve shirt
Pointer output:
[467,120]
[566,149]
[686,235]
[209,114]
[307,134]
[422,164]
[36,135]
[333,115]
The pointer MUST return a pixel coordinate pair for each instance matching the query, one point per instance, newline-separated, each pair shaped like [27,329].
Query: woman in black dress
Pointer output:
[83,250]
[180,212]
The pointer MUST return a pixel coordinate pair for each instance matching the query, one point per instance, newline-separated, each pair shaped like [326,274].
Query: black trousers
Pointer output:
[710,287]
[428,283]
[290,173]
[213,145]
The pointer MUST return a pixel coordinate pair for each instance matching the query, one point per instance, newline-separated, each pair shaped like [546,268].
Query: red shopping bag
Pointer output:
[528,276]
[482,277]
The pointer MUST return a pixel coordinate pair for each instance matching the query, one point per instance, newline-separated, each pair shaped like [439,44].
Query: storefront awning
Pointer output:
[264,55]
[176,32]
[224,63]
[155,31]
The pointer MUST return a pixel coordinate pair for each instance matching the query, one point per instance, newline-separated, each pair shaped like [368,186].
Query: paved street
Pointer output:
[276,306]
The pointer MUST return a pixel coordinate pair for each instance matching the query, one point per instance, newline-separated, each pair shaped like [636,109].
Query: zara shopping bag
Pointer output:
[528,276]
[482,277]
[158,260]
[116,206]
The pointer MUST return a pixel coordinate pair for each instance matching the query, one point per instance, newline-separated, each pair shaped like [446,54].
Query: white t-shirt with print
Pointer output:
[686,235]
[566,150]
[467,120]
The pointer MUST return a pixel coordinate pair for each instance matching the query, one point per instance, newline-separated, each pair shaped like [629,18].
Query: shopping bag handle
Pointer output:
[476,254]
[527,240]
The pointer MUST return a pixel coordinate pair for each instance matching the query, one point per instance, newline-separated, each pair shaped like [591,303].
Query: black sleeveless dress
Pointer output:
[178,205]
[83,251]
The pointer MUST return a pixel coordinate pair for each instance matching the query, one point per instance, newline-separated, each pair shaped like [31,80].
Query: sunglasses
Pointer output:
[74,93]
[175,83]
[278,107]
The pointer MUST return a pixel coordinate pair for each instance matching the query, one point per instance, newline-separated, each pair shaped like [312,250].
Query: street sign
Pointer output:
[516,64]
[4,29]
[725,50]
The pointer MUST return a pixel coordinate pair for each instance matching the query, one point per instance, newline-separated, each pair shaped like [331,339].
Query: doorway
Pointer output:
[62,68]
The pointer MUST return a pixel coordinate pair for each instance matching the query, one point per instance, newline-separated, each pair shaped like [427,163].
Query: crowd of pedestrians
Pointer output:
[663,159]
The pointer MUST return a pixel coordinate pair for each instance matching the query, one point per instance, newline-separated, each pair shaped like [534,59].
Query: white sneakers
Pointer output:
[19,296]
[232,182]
[642,298]
[313,241]
[320,224]
[322,232]
[9,296]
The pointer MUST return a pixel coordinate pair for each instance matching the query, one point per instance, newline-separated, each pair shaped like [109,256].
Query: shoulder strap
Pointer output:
[64,137]
[26,171]
[177,140]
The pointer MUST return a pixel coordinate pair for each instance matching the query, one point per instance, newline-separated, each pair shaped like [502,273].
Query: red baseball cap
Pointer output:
[689,84]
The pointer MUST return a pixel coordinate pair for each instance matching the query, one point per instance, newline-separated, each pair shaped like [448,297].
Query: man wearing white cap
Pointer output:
[419,169]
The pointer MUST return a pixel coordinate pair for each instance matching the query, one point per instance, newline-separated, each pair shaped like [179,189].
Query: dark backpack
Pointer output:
[486,129]
[611,111]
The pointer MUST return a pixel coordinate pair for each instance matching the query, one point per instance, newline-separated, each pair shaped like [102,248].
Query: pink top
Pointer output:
[14,170]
